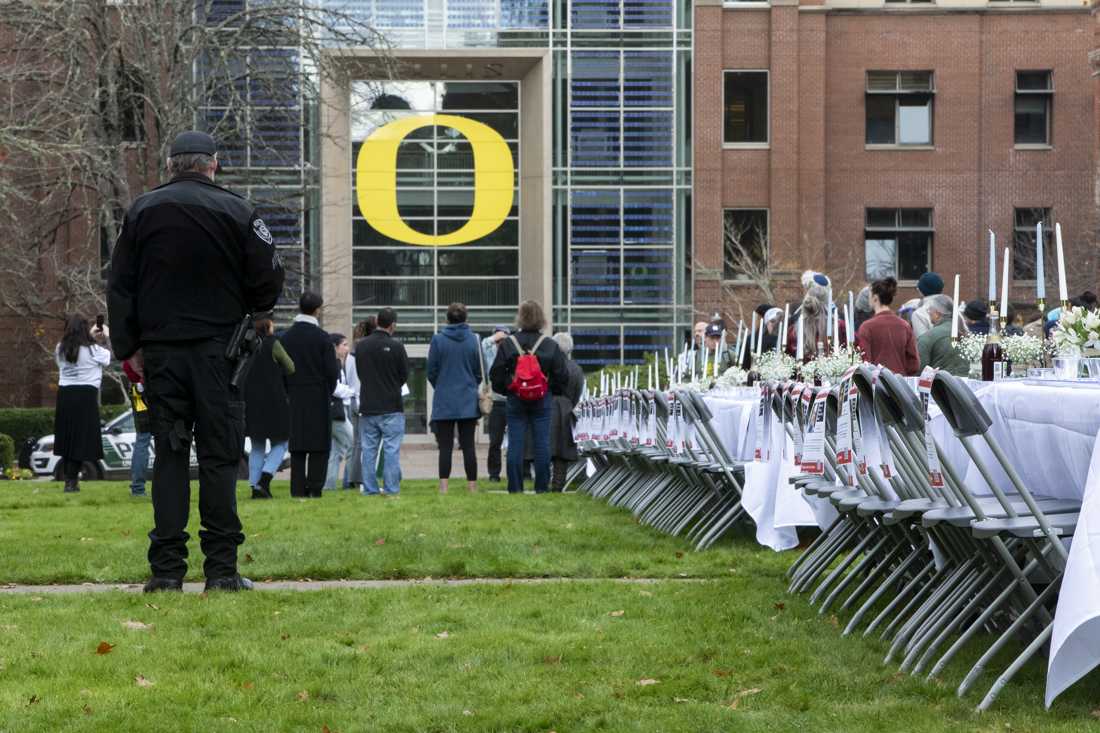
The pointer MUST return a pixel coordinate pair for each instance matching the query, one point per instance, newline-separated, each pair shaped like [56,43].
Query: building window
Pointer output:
[899,107]
[745,107]
[1023,240]
[898,243]
[745,244]
[1034,95]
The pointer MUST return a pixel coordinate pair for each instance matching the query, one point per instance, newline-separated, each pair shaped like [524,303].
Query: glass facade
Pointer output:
[621,172]
[621,167]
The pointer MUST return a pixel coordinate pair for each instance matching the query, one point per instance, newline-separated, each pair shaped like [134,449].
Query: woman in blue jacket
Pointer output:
[454,370]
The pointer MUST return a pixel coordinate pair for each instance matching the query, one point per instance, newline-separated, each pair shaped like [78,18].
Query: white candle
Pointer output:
[848,327]
[836,330]
[1004,289]
[829,310]
[992,267]
[850,312]
[741,350]
[737,344]
[668,369]
[752,334]
[781,337]
[721,350]
[798,342]
[760,340]
[955,311]
[1063,293]
[1040,274]
[635,385]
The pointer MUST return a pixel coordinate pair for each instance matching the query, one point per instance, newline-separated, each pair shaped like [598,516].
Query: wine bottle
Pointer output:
[993,355]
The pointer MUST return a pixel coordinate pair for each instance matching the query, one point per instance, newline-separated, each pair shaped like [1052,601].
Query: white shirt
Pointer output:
[88,369]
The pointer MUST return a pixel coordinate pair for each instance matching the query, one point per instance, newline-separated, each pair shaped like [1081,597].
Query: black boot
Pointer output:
[265,485]
[156,584]
[257,493]
[72,485]
[231,583]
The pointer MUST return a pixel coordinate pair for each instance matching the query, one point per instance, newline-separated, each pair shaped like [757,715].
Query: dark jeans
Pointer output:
[498,420]
[308,472]
[529,419]
[445,436]
[187,387]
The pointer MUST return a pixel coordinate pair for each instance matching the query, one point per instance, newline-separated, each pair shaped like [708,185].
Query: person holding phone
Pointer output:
[80,357]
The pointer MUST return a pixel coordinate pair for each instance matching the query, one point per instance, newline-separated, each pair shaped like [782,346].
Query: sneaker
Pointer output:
[157,584]
[140,494]
[232,583]
[259,494]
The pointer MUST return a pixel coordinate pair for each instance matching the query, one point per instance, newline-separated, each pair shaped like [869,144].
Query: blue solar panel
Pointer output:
[595,13]
[399,13]
[475,14]
[595,139]
[647,217]
[276,138]
[647,276]
[524,14]
[595,218]
[595,79]
[647,138]
[650,13]
[647,79]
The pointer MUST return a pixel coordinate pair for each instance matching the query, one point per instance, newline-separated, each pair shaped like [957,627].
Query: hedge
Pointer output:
[22,423]
[7,452]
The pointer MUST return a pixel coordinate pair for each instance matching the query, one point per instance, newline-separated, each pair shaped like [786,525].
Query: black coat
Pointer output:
[316,371]
[551,360]
[383,367]
[267,408]
[561,419]
[192,258]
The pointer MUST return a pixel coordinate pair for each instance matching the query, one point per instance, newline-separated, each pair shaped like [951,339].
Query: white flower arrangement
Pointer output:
[832,366]
[970,346]
[1022,349]
[733,377]
[1077,329]
[775,366]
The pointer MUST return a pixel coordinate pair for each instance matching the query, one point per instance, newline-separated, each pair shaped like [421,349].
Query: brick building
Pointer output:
[859,137]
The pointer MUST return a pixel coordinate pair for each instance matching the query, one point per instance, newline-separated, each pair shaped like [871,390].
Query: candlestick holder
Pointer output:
[1042,304]
[1065,305]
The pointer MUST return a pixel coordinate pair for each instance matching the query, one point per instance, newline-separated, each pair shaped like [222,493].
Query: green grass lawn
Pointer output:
[731,653]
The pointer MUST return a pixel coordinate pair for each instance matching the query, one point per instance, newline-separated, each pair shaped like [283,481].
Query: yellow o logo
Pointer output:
[376,180]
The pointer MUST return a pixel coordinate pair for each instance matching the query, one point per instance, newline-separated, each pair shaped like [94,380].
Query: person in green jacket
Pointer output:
[934,346]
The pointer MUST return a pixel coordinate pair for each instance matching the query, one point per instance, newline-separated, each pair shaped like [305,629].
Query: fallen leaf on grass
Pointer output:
[442,635]
[616,614]
[722,672]
[467,712]
[780,606]
[552,660]
[302,696]
[34,699]
[37,598]
[646,682]
[87,709]
[248,685]
[141,681]
[325,729]
[834,621]
[247,557]
[744,693]
[681,699]
[1096,713]
[380,541]
[153,606]
[679,555]
[104,648]
[645,593]
[284,637]
[136,625]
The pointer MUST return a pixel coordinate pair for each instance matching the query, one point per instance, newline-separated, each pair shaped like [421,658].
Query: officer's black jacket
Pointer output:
[191,260]
[383,367]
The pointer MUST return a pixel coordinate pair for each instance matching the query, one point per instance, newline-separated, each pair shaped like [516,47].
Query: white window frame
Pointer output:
[768,90]
[897,94]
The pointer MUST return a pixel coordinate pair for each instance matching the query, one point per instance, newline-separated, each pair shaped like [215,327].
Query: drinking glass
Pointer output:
[1065,367]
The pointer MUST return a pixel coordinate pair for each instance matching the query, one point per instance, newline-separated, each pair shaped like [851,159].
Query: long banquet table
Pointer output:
[1051,433]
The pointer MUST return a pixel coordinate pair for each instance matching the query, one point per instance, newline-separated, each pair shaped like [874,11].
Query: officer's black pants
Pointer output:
[308,472]
[187,387]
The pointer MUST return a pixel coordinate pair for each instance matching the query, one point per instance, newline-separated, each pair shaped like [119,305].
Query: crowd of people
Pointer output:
[337,406]
[906,337]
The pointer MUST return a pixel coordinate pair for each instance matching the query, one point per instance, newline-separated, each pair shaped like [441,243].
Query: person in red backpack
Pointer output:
[529,369]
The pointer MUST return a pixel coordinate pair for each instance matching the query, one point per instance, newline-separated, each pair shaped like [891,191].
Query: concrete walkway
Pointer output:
[315,585]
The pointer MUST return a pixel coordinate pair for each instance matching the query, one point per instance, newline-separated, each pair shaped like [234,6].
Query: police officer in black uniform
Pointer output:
[191,261]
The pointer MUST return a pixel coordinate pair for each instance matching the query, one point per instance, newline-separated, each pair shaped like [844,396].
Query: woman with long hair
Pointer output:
[813,319]
[885,338]
[80,357]
[529,417]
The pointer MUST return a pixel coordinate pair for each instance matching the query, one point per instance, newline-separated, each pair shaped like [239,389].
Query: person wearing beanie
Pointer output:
[929,284]
[976,316]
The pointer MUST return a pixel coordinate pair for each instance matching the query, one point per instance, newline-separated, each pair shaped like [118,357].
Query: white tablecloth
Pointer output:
[1051,434]
[776,507]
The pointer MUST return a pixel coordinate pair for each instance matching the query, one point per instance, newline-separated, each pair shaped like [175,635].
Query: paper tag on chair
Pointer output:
[672,437]
[844,429]
[761,409]
[935,470]
[813,455]
[859,456]
[651,424]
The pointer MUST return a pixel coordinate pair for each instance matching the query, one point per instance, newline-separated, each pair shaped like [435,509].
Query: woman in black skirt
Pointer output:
[81,357]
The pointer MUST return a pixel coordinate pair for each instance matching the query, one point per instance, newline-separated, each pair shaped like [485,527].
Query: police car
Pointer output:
[118,446]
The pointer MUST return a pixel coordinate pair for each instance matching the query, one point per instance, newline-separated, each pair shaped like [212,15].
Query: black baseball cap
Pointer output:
[193,142]
[714,329]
